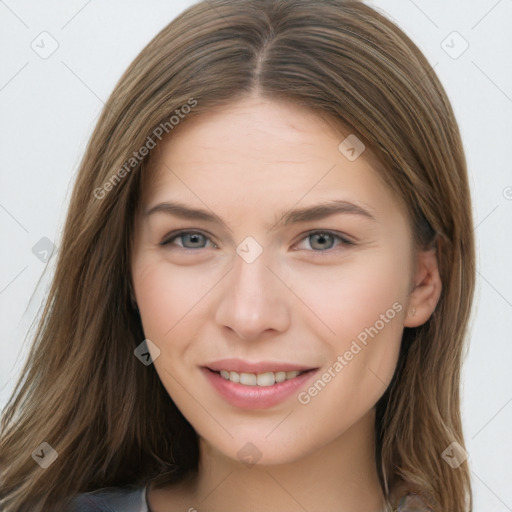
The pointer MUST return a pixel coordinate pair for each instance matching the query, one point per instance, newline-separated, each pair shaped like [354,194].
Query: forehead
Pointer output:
[270,131]
[255,152]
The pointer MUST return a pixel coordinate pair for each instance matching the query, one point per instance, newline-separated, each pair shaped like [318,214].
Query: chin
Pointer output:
[260,450]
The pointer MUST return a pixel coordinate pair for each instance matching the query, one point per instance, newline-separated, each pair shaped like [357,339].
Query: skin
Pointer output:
[303,300]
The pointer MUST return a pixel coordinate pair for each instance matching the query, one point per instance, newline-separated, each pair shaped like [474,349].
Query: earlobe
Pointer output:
[426,289]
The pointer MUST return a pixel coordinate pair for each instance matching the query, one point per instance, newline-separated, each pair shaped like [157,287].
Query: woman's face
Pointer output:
[262,248]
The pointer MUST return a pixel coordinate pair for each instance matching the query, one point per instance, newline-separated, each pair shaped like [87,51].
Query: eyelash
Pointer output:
[344,241]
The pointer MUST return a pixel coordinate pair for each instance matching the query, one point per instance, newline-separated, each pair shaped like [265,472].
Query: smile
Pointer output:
[259,389]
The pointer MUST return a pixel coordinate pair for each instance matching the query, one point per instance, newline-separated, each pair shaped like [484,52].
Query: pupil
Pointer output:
[321,238]
[194,239]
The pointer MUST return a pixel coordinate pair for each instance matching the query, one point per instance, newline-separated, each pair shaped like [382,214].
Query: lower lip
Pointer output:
[256,397]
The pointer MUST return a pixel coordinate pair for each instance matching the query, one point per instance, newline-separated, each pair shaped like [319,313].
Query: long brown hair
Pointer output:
[83,391]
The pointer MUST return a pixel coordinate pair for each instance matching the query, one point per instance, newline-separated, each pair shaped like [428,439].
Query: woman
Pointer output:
[264,282]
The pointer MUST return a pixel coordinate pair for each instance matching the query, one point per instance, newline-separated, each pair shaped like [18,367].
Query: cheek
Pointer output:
[166,297]
[168,304]
[352,296]
[174,308]
[363,305]
[157,300]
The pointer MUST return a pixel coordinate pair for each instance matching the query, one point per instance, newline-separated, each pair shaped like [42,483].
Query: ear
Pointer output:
[426,289]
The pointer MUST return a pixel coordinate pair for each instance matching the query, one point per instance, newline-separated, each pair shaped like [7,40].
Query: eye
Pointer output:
[189,240]
[318,241]
[322,241]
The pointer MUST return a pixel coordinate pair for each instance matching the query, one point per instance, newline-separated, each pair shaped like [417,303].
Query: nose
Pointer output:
[254,302]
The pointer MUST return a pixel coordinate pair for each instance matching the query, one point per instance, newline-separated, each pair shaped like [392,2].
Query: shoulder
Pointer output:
[111,499]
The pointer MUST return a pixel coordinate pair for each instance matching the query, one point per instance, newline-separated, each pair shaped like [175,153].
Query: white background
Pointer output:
[49,108]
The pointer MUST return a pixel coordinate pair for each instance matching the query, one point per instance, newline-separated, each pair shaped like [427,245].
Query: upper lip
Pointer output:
[241,366]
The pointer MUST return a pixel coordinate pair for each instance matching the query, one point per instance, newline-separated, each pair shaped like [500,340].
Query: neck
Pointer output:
[340,476]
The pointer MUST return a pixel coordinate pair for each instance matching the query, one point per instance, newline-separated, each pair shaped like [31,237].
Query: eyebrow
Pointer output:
[307,214]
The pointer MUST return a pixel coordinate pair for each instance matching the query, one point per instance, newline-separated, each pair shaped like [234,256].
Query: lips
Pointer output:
[256,385]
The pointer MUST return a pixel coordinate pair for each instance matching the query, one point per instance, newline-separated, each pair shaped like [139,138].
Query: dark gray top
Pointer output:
[111,499]
[130,499]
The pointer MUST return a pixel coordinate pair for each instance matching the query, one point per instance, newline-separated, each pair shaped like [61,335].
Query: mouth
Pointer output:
[247,385]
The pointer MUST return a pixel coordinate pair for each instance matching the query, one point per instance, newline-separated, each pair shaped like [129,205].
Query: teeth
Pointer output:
[248,379]
[280,376]
[266,379]
[259,379]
